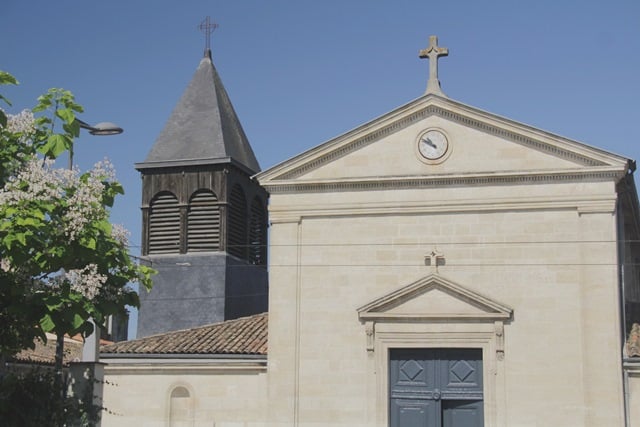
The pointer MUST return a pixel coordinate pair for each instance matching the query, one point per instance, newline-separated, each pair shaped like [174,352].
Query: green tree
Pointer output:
[62,262]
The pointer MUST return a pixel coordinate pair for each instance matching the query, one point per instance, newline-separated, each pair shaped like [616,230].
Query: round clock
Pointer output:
[433,145]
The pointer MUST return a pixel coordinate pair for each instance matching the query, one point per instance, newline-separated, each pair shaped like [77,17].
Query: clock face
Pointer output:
[433,144]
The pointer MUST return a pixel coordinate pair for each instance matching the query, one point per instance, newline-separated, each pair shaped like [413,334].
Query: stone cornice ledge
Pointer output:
[603,204]
[169,366]
[602,173]
[461,317]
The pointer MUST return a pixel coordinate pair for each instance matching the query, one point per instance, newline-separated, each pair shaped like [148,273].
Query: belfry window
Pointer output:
[164,224]
[237,230]
[203,222]
[258,233]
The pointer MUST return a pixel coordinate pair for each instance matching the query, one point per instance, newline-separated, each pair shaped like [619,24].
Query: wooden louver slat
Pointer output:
[164,225]
[203,223]
[237,229]
[257,234]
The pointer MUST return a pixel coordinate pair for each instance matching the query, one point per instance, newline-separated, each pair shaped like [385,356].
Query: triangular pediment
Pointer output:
[431,298]
[481,146]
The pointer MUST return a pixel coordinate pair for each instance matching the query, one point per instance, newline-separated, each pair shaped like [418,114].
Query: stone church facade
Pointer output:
[436,266]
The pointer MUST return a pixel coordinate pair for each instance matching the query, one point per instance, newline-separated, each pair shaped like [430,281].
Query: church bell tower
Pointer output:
[204,219]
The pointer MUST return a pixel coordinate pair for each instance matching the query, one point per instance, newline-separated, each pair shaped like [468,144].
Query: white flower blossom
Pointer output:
[37,180]
[40,181]
[120,234]
[104,171]
[23,122]
[5,265]
[86,281]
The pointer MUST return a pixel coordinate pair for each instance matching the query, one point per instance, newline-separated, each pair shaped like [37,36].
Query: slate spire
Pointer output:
[203,127]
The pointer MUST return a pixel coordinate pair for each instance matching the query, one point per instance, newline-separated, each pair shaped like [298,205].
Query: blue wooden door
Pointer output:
[435,388]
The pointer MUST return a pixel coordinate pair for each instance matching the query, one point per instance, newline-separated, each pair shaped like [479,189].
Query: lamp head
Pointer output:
[105,128]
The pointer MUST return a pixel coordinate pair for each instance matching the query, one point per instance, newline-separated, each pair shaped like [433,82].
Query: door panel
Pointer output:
[435,388]
[461,373]
[461,413]
[414,413]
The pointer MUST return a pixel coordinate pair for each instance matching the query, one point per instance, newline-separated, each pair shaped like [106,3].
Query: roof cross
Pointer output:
[432,258]
[433,52]
[207,27]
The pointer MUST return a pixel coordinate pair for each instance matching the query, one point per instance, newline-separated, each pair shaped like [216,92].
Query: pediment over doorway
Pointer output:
[433,298]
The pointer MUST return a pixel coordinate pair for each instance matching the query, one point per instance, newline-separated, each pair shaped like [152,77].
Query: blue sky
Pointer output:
[301,72]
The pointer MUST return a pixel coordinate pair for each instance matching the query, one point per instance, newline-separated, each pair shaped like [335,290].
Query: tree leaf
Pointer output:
[6,101]
[47,324]
[56,144]
[66,114]
[72,128]
[104,226]
[90,243]
[20,237]
[53,302]
[7,79]
[77,321]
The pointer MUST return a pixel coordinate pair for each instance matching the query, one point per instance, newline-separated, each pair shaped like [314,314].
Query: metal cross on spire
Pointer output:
[433,52]
[207,27]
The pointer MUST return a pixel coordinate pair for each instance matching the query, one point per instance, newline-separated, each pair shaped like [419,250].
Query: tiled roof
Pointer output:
[633,343]
[247,335]
[45,354]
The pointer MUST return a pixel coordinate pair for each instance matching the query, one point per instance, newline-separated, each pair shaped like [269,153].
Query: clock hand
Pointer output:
[429,142]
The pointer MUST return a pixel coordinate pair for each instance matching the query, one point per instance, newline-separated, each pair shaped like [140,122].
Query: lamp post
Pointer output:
[90,347]
[101,129]
[92,344]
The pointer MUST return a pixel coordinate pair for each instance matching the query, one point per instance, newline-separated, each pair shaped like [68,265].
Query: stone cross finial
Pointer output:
[433,52]
[433,257]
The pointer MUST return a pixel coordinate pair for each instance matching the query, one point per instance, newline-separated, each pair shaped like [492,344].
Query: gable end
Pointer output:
[342,147]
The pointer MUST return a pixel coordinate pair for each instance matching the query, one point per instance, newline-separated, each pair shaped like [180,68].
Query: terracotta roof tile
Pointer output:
[633,343]
[247,335]
[45,353]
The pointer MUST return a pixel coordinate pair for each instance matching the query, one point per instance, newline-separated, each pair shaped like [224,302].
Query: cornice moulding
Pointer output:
[600,173]
[151,366]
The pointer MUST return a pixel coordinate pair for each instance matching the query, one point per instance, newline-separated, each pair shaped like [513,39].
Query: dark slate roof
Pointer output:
[246,335]
[203,127]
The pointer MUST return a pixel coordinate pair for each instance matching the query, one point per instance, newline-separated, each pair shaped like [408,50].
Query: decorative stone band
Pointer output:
[593,174]
[180,366]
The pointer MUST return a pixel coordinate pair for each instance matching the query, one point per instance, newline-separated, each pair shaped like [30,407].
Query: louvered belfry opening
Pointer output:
[237,229]
[257,233]
[203,222]
[164,224]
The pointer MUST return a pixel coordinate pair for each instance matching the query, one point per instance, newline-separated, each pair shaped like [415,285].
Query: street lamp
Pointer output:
[101,129]
[91,346]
